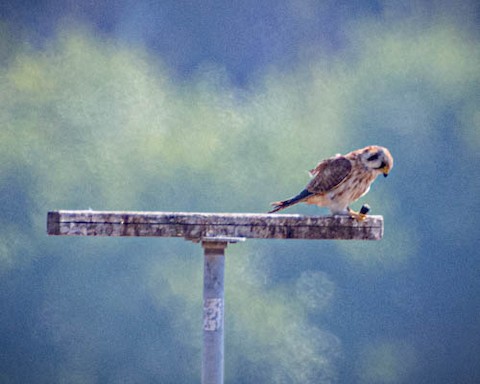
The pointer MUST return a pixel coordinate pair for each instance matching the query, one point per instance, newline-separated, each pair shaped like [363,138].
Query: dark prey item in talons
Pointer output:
[365,209]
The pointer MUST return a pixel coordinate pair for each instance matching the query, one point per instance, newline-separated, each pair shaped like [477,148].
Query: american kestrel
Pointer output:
[340,180]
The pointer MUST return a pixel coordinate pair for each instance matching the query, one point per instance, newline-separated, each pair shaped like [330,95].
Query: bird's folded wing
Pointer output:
[328,174]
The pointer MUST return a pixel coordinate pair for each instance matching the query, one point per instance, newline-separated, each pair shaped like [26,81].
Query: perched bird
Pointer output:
[340,180]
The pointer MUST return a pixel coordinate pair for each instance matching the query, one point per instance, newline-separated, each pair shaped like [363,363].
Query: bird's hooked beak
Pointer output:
[385,170]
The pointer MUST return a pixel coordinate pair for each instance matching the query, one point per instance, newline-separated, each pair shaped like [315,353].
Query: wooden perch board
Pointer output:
[197,226]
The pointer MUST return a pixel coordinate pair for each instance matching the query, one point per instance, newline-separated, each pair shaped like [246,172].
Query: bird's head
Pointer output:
[377,158]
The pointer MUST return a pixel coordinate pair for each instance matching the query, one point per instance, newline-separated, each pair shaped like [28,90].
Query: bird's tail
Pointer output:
[278,205]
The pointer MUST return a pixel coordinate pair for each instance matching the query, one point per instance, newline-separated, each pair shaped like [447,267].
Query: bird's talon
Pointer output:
[359,216]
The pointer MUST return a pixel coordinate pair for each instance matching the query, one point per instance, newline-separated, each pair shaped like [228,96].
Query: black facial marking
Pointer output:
[383,165]
[373,157]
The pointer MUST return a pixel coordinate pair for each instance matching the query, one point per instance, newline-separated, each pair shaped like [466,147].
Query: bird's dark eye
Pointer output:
[373,157]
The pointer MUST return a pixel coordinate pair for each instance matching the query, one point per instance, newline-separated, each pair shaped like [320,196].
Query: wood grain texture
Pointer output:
[196,226]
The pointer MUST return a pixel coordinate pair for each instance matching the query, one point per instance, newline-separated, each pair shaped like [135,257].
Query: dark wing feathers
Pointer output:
[278,205]
[328,174]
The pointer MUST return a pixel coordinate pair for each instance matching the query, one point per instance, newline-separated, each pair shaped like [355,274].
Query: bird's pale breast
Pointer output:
[351,189]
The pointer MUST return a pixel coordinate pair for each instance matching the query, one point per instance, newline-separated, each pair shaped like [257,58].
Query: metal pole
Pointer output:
[213,311]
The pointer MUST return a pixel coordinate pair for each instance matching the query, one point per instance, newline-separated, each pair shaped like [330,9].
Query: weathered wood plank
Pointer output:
[200,225]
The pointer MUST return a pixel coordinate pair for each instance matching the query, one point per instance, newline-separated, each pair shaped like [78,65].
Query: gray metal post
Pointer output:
[213,311]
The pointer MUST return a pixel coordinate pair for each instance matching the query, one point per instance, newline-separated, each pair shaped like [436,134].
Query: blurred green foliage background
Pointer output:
[89,119]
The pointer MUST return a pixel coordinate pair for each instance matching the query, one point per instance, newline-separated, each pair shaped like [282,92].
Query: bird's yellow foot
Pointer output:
[359,216]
